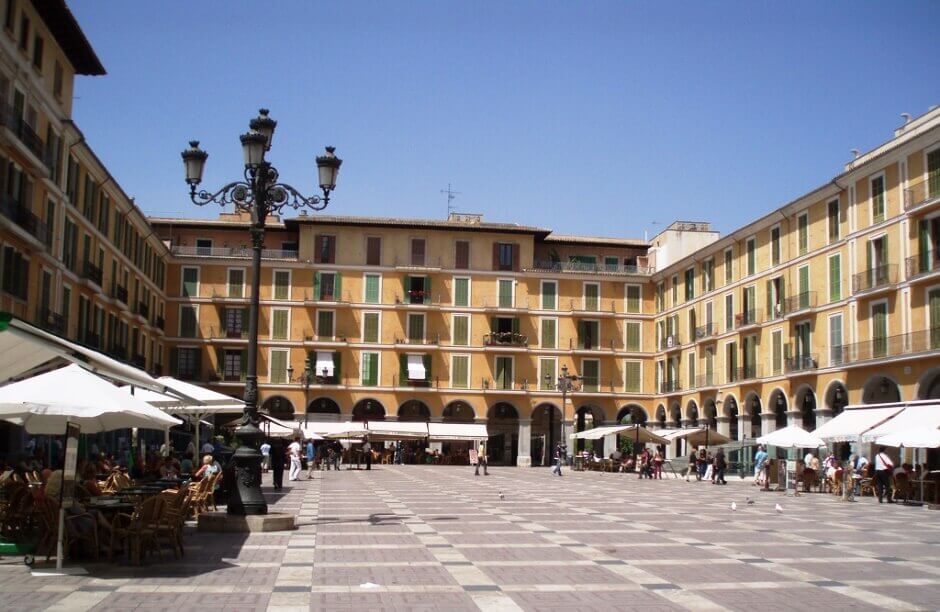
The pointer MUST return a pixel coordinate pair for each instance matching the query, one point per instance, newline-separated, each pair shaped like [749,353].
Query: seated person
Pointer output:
[616,455]
[170,469]
[209,468]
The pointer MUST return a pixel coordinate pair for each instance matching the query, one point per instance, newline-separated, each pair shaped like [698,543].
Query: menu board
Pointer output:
[71,461]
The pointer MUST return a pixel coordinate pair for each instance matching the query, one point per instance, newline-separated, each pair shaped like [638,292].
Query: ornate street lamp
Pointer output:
[259,194]
[563,384]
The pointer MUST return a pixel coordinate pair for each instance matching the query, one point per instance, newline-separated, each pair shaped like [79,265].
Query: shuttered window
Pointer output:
[461,327]
[633,298]
[549,295]
[804,286]
[325,325]
[373,251]
[372,288]
[832,216]
[416,328]
[590,375]
[729,272]
[933,299]
[460,371]
[633,335]
[503,371]
[417,251]
[835,340]
[325,249]
[461,292]
[370,369]
[547,373]
[878,199]
[236,283]
[777,349]
[835,278]
[281,284]
[775,246]
[190,282]
[279,324]
[751,257]
[505,293]
[632,377]
[592,296]
[879,329]
[462,255]
[933,174]
[370,327]
[549,334]
[278,367]
[187,321]
[802,223]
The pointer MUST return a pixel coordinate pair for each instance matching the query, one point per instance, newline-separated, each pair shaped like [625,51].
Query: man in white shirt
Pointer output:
[367,453]
[294,450]
[265,456]
[883,469]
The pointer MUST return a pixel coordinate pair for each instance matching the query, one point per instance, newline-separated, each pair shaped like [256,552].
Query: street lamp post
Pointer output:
[563,384]
[259,194]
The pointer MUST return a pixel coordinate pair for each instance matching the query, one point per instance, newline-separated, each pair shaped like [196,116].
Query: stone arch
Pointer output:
[691,413]
[324,406]
[278,407]
[661,416]
[459,411]
[881,389]
[414,410]
[754,408]
[836,397]
[581,416]
[547,421]
[710,414]
[502,427]
[368,410]
[632,413]
[675,414]
[777,405]
[928,385]
[805,401]
[730,402]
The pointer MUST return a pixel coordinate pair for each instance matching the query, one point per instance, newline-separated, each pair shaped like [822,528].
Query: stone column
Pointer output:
[724,426]
[768,423]
[823,416]
[524,450]
[794,417]
[744,426]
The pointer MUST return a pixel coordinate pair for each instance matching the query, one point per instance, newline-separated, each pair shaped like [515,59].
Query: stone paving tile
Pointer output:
[382,575]
[926,597]
[596,601]
[551,574]
[413,602]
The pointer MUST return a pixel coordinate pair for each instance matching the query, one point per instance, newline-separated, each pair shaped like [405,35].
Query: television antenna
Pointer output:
[451,196]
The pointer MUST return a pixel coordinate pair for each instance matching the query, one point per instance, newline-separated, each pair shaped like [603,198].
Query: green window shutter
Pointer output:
[632,369]
[337,367]
[372,289]
[548,334]
[280,285]
[316,285]
[515,325]
[190,280]
[219,360]
[770,300]
[783,289]
[633,336]
[370,327]
[549,301]
[325,329]
[934,314]
[591,300]
[402,368]
[505,293]
[633,298]
[280,325]
[835,278]
[427,289]
[582,333]
[338,287]
[804,284]
[374,369]
[461,292]
[460,372]
[933,174]
[777,348]
[407,282]
[278,366]
[923,240]
[427,367]
[461,330]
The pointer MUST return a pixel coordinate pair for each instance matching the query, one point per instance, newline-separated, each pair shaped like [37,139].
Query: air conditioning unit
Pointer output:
[670,341]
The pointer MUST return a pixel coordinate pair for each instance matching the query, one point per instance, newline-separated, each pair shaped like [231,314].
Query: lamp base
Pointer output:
[247,499]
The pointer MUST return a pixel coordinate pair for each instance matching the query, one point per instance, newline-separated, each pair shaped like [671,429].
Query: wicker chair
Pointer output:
[48,511]
[173,519]
[866,483]
[138,530]
[901,487]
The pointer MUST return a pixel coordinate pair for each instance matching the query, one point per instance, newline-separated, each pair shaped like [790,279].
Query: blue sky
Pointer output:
[602,118]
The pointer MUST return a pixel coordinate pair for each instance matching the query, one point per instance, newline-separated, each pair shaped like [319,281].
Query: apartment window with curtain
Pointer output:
[370,327]
[751,256]
[802,233]
[592,292]
[326,286]
[690,284]
[236,283]
[460,371]
[324,249]
[282,284]
[878,199]
[277,364]
[549,295]
[832,218]
[632,329]
[372,283]
[187,321]
[728,266]
[369,369]
[461,291]
[549,339]
[190,282]
[775,246]
[325,328]
[835,277]
[461,330]
[633,299]
[462,255]
[589,333]
[279,323]
[632,378]
[547,375]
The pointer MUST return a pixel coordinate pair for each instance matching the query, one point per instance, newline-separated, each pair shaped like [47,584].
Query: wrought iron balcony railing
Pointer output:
[705,331]
[23,217]
[923,263]
[92,273]
[799,302]
[911,343]
[670,386]
[801,363]
[505,339]
[23,131]
[873,278]
[587,268]
[747,318]
[234,252]
[922,193]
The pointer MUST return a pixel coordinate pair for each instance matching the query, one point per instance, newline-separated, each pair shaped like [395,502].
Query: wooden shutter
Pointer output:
[417,251]
[633,336]
[316,286]
[515,256]
[835,278]
[373,251]
[337,367]
[925,256]
[462,255]
[337,287]
[427,366]
[331,248]
[318,248]
[496,256]
[770,300]
[402,369]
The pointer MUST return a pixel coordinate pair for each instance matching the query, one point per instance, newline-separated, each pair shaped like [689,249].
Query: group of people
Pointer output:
[704,465]
[308,454]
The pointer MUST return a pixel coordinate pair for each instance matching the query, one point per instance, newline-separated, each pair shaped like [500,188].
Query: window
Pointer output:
[549,335]
[462,255]
[675,289]
[547,376]
[373,251]
[190,282]
[370,327]
[775,246]
[24,32]
[751,256]
[461,291]
[372,292]
[460,324]
[776,356]
[66,308]
[10,17]
[835,277]
[690,284]
[803,275]
[277,366]
[832,216]
[503,378]
[416,328]
[282,284]
[879,329]
[633,335]
[37,52]
[933,309]
[709,366]
[505,293]
[590,375]
[611,264]
[835,339]
[632,379]
[280,323]
[325,319]
[187,321]
[417,251]
[708,275]
[326,286]
[729,258]
[549,295]
[592,296]
[633,299]
[236,282]
[370,369]
[234,320]
[731,362]
[504,256]
[589,334]
[57,80]
[232,366]
[419,289]
[187,363]
[324,249]
[729,312]
[690,369]
[660,297]
[878,199]
[15,273]
[460,371]
[70,245]
[802,223]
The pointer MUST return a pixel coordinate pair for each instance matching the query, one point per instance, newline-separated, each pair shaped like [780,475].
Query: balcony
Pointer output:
[118,351]
[798,303]
[139,361]
[92,339]
[24,218]
[705,380]
[670,386]
[431,340]
[505,339]
[911,343]
[51,321]
[748,372]
[229,333]
[670,342]
[159,322]
[874,278]
[589,344]
[92,272]
[922,194]
[706,331]
[143,310]
[240,252]
[801,363]
[748,318]
[922,264]
[418,297]
[587,268]
[23,131]
[118,292]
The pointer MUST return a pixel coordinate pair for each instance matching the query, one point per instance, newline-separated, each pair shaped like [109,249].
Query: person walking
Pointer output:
[720,466]
[277,464]
[311,459]
[558,456]
[692,470]
[883,470]
[265,456]
[481,460]
[367,451]
[294,450]
[760,458]
[658,465]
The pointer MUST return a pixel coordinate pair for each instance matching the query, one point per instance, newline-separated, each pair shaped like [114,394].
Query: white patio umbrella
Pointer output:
[791,437]
[912,438]
[44,404]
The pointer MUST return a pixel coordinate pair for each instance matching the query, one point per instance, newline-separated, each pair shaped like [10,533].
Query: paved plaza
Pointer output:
[438,538]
